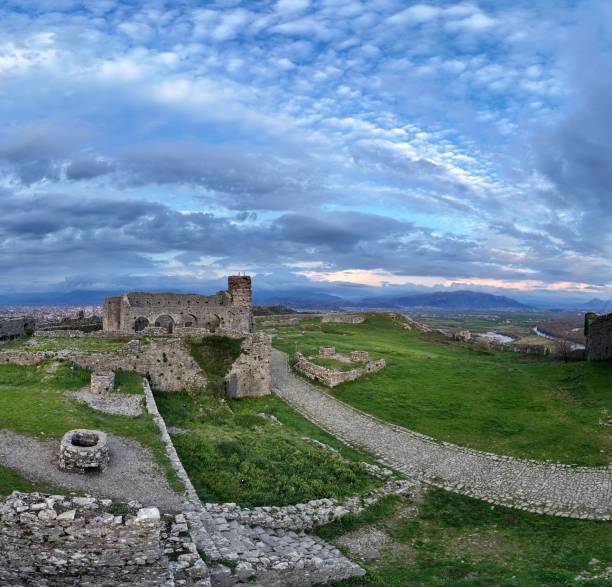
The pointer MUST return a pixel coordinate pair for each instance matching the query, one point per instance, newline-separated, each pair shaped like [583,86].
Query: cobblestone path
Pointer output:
[561,490]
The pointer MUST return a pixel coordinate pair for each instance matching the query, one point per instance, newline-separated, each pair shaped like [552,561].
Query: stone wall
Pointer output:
[229,310]
[343,318]
[599,338]
[251,373]
[14,326]
[166,362]
[332,377]
[65,541]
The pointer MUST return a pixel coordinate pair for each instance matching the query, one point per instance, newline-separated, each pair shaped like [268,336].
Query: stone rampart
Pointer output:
[65,541]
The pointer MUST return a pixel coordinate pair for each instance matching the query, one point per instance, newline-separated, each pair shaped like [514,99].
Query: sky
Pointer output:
[344,145]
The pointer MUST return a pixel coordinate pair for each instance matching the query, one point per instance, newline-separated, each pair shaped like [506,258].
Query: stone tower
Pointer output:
[239,286]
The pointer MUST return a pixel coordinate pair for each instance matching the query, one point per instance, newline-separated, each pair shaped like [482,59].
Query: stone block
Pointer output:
[102,383]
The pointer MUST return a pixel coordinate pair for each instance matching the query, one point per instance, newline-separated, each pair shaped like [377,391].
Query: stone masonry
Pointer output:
[59,541]
[251,373]
[343,318]
[14,326]
[333,377]
[598,332]
[102,383]
[160,313]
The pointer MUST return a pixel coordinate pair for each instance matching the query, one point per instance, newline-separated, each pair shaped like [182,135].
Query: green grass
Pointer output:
[32,402]
[452,540]
[128,382]
[53,343]
[234,455]
[12,481]
[214,355]
[502,402]
[330,363]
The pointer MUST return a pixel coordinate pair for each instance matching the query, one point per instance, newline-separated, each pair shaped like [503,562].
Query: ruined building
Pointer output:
[226,311]
[598,332]
[14,326]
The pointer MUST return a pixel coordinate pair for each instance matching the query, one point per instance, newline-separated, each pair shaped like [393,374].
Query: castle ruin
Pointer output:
[174,313]
[598,332]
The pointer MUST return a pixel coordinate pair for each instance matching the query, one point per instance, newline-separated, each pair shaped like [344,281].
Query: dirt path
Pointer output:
[131,475]
[576,492]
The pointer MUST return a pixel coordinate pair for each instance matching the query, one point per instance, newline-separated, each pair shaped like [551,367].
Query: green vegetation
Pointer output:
[53,343]
[273,310]
[128,382]
[215,355]
[12,481]
[502,402]
[32,402]
[232,453]
[334,363]
[450,539]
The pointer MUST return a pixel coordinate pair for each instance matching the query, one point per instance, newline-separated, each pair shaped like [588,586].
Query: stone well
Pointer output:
[360,356]
[82,449]
[327,351]
[102,382]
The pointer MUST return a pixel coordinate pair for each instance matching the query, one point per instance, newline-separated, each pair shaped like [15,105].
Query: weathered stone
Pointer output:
[102,383]
[81,450]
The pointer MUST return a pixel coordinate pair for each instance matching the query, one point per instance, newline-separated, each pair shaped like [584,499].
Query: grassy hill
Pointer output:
[499,401]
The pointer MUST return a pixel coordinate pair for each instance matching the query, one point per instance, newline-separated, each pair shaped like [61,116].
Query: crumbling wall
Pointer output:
[65,541]
[599,338]
[251,373]
[332,377]
[14,326]
[166,362]
[343,318]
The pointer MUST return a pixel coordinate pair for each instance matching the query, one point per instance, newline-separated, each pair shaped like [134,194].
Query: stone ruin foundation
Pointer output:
[82,450]
[327,351]
[61,541]
[102,383]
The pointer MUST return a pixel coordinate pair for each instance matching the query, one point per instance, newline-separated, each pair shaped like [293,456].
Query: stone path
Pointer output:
[560,490]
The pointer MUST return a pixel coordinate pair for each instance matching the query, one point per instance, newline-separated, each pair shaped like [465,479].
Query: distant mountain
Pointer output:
[595,305]
[463,299]
[299,300]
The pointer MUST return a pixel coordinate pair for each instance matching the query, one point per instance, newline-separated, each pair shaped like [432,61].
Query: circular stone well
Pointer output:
[82,449]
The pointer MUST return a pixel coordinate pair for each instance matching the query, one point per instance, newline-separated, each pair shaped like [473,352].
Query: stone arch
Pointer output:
[212,322]
[165,321]
[140,323]
[189,321]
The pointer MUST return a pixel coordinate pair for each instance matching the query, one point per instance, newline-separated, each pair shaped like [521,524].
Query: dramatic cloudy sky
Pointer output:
[308,142]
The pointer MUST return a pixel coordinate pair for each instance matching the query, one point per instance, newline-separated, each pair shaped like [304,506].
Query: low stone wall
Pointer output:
[332,377]
[65,541]
[251,373]
[343,318]
[309,515]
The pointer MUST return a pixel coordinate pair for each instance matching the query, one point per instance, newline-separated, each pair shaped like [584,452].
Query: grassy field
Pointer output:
[52,343]
[32,402]
[447,540]
[234,454]
[330,363]
[496,401]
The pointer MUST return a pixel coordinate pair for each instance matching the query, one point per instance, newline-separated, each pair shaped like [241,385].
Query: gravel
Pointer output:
[132,474]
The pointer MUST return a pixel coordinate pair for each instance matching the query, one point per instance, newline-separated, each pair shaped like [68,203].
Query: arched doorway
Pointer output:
[140,323]
[212,323]
[165,321]
[190,321]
